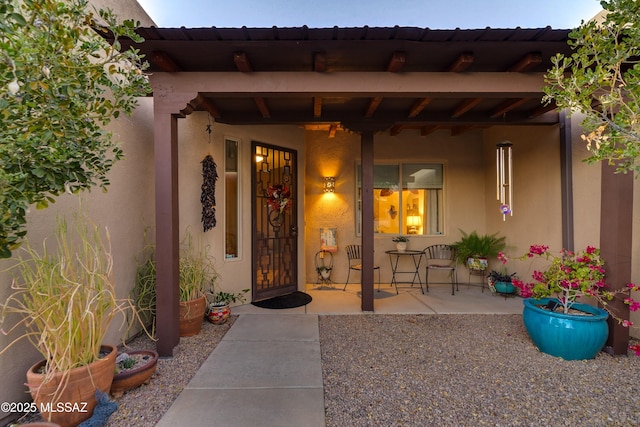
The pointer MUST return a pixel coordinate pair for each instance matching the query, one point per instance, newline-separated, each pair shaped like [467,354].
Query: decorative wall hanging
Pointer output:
[504,178]
[328,241]
[278,197]
[208,196]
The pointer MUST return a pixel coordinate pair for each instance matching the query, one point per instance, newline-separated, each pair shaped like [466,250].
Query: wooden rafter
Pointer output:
[242,62]
[332,130]
[208,105]
[317,106]
[395,130]
[542,109]
[461,63]
[319,62]
[373,106]
[165,62]
[465,106]
[426,130]
[261,103]
[418,106]
[507,106]
[529,61]
[397,62]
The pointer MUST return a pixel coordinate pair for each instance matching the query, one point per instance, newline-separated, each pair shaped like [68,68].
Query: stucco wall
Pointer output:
[537,210]
[462,156]
[587,189]
[125,209]
[127,9]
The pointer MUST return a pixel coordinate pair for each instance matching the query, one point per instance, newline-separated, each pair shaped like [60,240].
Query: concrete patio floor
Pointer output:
[267,369]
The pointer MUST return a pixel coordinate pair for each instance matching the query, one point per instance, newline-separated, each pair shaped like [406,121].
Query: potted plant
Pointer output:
[143,293]
[473,250]
[401,243]
[556,322]
[218,310]
[197,275]
[501,282]
[67,301]
[133,368]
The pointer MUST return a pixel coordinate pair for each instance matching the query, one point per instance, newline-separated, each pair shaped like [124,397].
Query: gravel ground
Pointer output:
[465,370]
[426,370]
[145,405]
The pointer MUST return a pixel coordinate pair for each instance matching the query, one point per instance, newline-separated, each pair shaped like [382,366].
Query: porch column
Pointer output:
[167,232]
[366,144]
[616,218]
[566,181]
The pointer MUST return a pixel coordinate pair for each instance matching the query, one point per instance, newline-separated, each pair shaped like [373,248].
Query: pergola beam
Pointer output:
[358,84]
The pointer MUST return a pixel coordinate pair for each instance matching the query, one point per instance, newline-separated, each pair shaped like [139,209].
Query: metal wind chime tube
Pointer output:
[504,178]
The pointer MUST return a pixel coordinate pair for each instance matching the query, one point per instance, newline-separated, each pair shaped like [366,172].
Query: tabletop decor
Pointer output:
[401,243]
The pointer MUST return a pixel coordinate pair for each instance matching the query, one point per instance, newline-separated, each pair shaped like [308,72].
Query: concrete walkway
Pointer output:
[266,371]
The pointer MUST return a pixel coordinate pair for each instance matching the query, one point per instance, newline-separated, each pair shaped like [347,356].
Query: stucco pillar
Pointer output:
[616,218]
[170,103]
[366,143]
[167,233]
[566,181]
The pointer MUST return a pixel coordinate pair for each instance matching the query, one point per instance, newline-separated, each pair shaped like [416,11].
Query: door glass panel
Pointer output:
[232,201]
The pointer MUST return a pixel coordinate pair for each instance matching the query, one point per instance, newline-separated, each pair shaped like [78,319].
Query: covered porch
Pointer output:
[344,95]
[328,299]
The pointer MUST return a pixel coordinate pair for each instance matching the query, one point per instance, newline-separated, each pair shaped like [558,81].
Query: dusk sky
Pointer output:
[434,14]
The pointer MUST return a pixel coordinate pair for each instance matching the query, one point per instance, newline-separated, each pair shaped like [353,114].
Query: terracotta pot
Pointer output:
[75,401]
[191,316]
[40,424]
[218,314]
[141,374]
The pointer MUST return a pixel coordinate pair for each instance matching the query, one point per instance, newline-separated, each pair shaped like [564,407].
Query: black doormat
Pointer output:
[292,300]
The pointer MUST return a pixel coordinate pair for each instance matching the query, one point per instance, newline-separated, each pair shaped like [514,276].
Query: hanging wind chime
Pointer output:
[504,178]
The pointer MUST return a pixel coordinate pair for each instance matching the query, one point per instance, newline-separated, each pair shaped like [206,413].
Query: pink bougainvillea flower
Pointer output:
[633,304]
[635,348]
[502,257]
[538,249]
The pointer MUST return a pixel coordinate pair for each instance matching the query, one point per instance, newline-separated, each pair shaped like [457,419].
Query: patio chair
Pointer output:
[355,263]
[441,258]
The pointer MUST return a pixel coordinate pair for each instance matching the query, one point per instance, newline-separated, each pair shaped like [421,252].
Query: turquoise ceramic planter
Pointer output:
[504,287]
[569,336]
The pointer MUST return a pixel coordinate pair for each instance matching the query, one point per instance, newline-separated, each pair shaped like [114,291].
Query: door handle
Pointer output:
[293,231]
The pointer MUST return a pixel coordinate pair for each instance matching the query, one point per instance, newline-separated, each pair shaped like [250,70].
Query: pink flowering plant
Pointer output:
[570,276]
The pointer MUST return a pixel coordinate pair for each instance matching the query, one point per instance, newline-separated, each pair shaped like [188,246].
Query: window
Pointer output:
[232,201]
[407,198]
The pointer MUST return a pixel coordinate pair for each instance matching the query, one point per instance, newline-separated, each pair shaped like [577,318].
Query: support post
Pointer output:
[167,232]
[616,219]
[366,143]
[566,181]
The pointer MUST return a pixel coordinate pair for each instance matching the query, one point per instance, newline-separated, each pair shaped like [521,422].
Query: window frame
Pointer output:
[400,164]
[238,216]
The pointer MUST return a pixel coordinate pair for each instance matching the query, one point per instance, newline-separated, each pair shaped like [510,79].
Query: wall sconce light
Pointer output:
[329,185]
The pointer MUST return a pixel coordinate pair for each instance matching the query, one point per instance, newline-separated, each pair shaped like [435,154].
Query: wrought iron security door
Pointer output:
[275,231]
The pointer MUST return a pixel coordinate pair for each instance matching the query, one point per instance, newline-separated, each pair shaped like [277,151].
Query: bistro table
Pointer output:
[394,259]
